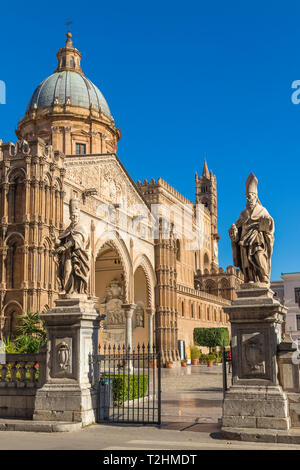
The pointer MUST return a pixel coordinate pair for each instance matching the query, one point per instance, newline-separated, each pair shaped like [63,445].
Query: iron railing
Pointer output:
[128,381]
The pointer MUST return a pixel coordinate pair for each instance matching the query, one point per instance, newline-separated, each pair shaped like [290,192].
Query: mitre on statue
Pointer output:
[74,205]
[251,184]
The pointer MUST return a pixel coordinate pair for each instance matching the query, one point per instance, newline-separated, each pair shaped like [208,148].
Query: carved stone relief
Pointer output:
[253,354]
[112,305]
[62,357]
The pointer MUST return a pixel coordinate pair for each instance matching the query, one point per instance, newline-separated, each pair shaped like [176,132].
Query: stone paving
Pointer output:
[192,398]
[192,406]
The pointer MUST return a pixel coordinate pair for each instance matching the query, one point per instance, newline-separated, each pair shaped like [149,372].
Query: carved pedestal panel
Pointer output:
[72,332]
[255,399]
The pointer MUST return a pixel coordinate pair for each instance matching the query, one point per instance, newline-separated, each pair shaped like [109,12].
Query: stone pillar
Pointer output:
[256,399]
[150,312]
[128,309]
[72,332]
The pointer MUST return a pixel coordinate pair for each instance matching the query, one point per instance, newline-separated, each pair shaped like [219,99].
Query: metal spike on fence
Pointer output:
[138,348]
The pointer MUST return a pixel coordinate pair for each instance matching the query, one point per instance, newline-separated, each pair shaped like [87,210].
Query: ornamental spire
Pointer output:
[205,171]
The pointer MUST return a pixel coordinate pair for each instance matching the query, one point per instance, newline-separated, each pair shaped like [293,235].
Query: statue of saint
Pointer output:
[252,238]
[139,315]
[72,254]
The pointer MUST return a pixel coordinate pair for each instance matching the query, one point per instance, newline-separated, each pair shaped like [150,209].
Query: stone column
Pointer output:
[128,309]
[150,312]
[72,332]
[256,399]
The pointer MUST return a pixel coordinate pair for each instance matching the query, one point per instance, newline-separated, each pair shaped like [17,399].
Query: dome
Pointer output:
[68,87]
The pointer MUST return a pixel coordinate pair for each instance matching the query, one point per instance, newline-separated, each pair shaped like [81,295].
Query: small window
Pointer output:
[63,62]
[298,322]
[72,63]
[80,149]
[297,295]
[192,311]
[182,309]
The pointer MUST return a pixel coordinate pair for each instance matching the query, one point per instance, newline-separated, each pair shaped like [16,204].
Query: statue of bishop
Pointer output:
[252,238]
[72,254]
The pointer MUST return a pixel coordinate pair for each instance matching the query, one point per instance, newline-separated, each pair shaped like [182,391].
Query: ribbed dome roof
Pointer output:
[67,87]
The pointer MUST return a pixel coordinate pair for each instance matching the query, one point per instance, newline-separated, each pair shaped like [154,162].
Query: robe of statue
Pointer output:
[253,245]
[73,263]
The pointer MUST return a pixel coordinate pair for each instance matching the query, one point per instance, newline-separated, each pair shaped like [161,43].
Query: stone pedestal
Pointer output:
[72,331]
[255,399]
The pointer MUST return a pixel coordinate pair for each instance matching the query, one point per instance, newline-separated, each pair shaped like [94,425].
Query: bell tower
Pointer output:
[206,194]
[31,202]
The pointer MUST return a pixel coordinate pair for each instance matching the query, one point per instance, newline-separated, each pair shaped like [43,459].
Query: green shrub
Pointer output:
[210,357]
[31,335]
[211,337]
[195,352]
[127,387]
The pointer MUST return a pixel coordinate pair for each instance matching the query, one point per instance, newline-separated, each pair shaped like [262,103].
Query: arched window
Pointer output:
[192,310]
[14,262]
[11,320]
[206,260]
[178,251]
[225,289]
[16,197]
[72,63]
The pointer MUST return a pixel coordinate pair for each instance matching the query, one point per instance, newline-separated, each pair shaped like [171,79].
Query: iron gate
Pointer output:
[128,383]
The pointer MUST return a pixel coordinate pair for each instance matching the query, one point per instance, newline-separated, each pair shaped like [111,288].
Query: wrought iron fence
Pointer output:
[128,382]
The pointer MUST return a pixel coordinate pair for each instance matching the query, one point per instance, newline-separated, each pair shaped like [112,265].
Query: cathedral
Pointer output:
[153,253]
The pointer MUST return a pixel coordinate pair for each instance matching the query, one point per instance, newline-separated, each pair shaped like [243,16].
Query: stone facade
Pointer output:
[288,292]
[144,274]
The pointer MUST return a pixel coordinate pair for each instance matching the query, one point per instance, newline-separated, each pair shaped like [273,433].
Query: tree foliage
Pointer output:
[31,335]
[211,337]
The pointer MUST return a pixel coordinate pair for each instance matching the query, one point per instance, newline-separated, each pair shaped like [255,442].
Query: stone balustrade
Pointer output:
[23,370]
[20,377]
[203,295]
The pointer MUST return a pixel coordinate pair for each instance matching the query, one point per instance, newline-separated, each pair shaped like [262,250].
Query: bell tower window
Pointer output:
[72,63]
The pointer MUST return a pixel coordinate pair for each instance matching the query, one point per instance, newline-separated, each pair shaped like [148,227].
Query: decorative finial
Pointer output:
[69,34]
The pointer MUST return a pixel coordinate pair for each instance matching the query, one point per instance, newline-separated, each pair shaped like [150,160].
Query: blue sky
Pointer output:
[182,79]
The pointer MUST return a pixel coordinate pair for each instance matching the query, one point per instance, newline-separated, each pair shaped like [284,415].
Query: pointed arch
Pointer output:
[119,246]
[11,312]
[144,263]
